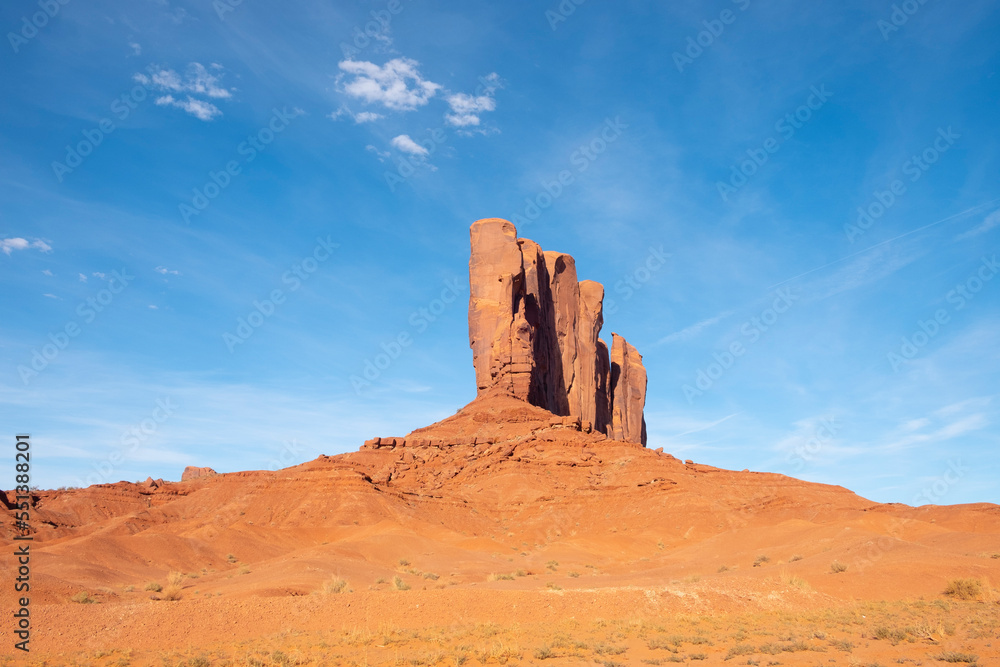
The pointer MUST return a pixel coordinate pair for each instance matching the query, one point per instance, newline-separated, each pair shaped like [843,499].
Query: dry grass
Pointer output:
[837,567]
[83,597]
[334,586]
[965,589]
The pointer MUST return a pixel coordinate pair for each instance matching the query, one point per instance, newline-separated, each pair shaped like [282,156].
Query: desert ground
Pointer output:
[504,535]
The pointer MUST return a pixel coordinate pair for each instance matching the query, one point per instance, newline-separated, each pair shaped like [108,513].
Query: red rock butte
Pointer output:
[534,330]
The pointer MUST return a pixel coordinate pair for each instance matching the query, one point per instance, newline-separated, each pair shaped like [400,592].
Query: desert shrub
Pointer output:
[552,585]
[842,645]
[403,562]
[894,635]
[954,656]
[171,593]
[495,576]
[84,597]
[965,589]
[334,586]
[552,564]
[431,576]
[153,586]
[544,653]
[574,574]
[175,578]
[760,560]
[837,567]
[400,584]
[739,649]
[794,558]
[723,568]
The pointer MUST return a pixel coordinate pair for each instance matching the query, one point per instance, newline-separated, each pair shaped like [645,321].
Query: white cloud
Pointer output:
[83,278]
[51,296]
[466,109]
[367,117]
[17,243]
[165,271]
[404,143]
[198,108]
[198,80]
[46,272]
[397,85]
[136,48]
[154,307]
[991,221]
[362,117]
[98,274]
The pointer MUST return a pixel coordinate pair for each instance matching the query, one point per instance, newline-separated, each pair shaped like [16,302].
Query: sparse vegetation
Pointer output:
[953,656]
[334,586]
[153,586]
[400,584]
[495,576]
[794,558]
[552,565]
[403,562]
[723,568]
[573,574]
[84,597]
[760,560]
[431,576]
[965,589]
[837,567]
[553,586]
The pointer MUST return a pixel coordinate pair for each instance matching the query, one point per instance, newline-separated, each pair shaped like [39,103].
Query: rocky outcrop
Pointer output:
[534,332]
[628,392]
[192,472]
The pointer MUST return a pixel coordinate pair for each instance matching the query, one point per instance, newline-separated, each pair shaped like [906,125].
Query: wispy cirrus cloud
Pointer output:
[197,81]
[696,328]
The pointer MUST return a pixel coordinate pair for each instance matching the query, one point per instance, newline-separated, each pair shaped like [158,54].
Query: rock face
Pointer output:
[628,392]
[192,472]
[534,332]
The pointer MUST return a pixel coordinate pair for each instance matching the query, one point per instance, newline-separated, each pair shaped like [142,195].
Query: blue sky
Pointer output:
[794,210]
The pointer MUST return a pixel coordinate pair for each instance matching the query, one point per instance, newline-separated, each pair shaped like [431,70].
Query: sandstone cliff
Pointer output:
[534,332]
